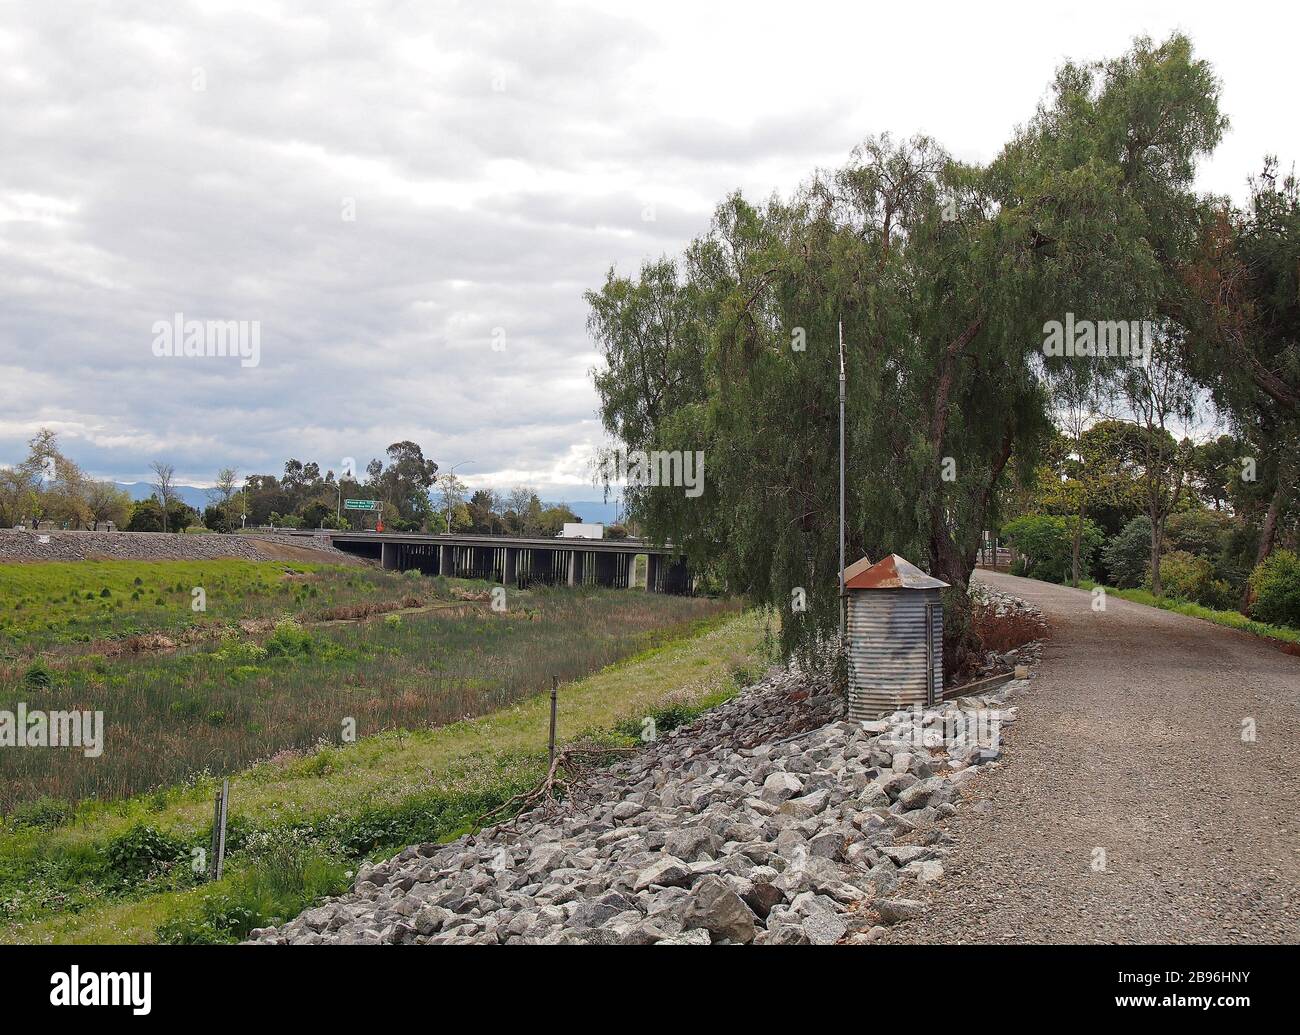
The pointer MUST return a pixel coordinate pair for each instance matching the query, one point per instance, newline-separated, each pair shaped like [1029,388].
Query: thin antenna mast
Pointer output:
[841,327]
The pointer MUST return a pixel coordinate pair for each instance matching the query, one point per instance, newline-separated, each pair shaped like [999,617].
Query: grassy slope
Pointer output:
[1232,619]
[392,767]
[48,604]
[225,707]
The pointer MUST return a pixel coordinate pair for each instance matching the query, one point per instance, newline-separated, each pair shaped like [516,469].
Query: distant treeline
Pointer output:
[49,487]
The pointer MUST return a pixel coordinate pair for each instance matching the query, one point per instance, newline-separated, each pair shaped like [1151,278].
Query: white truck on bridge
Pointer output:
[582,530]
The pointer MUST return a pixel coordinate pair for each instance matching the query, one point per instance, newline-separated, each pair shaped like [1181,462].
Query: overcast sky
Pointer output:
[204,157]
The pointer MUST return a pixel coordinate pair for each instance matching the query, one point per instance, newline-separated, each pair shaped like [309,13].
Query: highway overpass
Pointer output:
[517,561]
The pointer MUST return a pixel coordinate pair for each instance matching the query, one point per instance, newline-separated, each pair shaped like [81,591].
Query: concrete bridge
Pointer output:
[515,561]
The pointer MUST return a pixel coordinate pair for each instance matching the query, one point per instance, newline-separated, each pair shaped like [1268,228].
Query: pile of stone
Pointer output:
[1003,603]
[21,545]
[1006,605]
[770,820]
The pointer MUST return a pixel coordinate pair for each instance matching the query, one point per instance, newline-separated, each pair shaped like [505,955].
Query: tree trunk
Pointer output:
[1157,539]
[1078,539]
[1267,534]
[948,563]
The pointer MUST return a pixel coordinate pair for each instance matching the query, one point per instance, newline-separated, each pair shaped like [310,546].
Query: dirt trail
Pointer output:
[1130,740]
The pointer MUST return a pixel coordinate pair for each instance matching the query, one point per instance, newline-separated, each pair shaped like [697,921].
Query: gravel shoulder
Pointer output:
[1130,740]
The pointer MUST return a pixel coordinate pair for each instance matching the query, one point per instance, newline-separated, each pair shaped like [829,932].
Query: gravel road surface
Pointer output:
[1130,740]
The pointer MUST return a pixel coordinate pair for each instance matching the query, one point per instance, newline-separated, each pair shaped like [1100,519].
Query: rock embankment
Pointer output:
[20,546]
[770,820]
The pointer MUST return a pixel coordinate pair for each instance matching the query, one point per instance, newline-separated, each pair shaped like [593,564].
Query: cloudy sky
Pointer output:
[411,197]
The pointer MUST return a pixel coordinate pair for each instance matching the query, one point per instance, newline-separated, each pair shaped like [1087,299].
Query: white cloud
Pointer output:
[498,156]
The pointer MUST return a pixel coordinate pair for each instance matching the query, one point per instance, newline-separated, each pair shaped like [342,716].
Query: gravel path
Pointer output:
[1129,739]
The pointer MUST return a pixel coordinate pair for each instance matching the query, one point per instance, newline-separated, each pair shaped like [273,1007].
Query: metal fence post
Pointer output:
[216,836]
[555,692]
[219,813]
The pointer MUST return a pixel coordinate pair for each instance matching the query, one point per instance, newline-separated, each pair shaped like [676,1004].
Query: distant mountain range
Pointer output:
[191,494]
[196,497]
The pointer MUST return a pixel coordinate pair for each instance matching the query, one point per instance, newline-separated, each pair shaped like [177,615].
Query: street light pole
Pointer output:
[451,473]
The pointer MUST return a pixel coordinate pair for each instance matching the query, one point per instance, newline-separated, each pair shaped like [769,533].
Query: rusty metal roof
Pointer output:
[890,572]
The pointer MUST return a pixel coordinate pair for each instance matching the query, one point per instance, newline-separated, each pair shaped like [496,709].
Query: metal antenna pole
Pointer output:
[841,326]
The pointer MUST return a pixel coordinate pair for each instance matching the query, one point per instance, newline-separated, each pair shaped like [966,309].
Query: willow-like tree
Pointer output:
[944,275]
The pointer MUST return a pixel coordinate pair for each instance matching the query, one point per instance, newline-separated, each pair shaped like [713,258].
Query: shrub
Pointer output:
[1199,532]
[743,675]
[1004,632]
[1128,555]
[1188,577]
[235,650]
[43,813]
[142,852]
[290,640]
[38,676]
[661,720]
[1276,585]
[289,874]
[1045,543]
[216,519]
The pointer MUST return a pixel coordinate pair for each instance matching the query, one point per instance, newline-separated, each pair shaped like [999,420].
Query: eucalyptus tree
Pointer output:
[944,275]
[1242,308]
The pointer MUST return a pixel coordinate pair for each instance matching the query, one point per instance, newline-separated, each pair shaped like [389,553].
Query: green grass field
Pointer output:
[58,606]
[119,871]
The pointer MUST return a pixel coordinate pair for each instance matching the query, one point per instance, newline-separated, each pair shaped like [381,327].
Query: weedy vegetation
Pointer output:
[447,699]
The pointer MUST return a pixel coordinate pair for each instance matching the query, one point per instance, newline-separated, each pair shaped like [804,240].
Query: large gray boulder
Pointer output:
[779,787]
[717,908]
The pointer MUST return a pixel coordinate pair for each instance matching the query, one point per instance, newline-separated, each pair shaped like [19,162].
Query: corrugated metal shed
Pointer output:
[895,637]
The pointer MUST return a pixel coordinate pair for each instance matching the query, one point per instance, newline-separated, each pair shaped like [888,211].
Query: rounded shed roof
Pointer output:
[890,572]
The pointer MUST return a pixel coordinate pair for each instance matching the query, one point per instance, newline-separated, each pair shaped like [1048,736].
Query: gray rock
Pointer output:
[717,908]
[762,897]
[668,871]
[780,787]
[897,784]
[690,843]
[829,844]
[898,910]
[824,928]
[919,794]
[597,912]
[698,936]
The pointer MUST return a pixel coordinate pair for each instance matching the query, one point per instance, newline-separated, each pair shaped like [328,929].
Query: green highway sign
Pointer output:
[362,505]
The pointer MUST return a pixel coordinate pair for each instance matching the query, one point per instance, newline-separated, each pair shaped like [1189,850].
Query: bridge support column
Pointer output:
[576,565]
[677,578]
[444,561]
[510,574]
[606,565]
[388,556]
[652,573]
